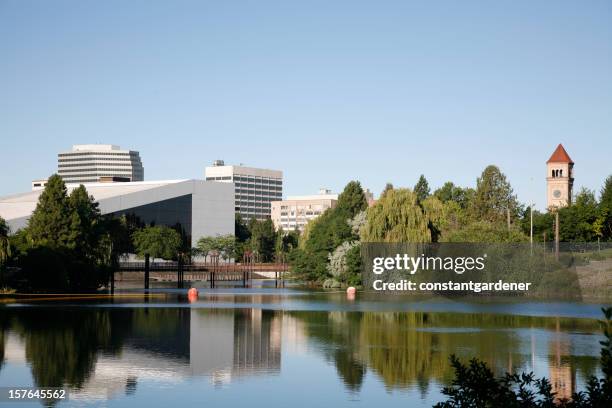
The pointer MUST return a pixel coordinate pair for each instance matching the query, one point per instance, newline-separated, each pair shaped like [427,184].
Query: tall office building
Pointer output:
[255,188]
[88,163]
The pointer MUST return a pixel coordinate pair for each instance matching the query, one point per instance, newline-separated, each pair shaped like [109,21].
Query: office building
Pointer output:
[296,211]
[198,207]
[87,163]
[255,188]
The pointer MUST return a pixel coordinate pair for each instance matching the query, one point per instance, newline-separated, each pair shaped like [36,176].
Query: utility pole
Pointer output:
[508,217]
[557,235]
[531,227]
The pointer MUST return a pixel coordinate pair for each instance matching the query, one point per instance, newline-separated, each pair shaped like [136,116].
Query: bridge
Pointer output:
[202,272]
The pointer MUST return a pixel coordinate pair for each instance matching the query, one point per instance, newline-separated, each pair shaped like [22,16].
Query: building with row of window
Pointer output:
[255,189]
[296,211]
[88,163]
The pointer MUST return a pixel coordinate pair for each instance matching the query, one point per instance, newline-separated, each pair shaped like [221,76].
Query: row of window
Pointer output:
[94,171]
[257,179]
[94,161]
[259,192]
[252,204]
[301,214]
[247,182]
[256,198]
[72,154]
[259,186]
[252,210]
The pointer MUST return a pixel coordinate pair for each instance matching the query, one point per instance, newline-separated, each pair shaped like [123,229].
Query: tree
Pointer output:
[494,196]
[90,231]
[421,188]
[53,223]
[475,384]
[388,187]
[605,209]
[5,247]
[263,239]
[241,229]
[206,245]
[397,217]
[577,222]
[352,200]
[157,242]
[450,192]
[324,234]
[340,266]
[486,231]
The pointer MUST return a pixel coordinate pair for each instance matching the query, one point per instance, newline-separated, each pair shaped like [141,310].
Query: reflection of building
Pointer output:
[561,373]
[559,178]
[200,208]
[168,346]
[297,211]
[87,163]
[257,342]
[255,188]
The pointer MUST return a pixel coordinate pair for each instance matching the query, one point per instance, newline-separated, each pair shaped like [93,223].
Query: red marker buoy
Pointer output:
[350,293]
[192,295]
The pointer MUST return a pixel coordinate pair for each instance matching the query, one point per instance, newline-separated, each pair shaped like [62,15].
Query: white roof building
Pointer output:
[201,208]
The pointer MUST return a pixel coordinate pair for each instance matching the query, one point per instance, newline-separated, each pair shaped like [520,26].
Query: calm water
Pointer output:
[283,347]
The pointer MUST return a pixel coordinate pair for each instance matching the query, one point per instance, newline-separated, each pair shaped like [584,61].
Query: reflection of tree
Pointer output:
[412,348]
[62,348]
[338,334]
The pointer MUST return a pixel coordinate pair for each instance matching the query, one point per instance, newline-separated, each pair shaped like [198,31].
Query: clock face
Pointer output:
[557,193]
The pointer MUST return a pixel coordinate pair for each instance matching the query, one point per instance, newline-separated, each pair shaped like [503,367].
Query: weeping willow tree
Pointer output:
[399,217]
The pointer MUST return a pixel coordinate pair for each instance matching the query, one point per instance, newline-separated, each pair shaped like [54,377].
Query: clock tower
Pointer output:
[559,179]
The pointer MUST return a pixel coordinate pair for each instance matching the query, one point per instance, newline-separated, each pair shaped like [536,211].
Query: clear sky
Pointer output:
[327,91]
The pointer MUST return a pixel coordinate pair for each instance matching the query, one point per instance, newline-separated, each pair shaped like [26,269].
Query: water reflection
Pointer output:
[103,353]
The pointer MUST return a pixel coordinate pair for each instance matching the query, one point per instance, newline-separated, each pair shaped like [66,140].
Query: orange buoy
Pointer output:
[192,295]
[350,293]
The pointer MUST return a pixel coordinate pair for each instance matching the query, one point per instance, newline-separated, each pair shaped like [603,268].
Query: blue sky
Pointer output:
[327,91]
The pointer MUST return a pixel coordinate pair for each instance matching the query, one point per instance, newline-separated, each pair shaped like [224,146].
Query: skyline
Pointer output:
[326,93]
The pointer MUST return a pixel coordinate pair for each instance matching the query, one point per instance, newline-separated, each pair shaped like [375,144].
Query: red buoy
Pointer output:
[192,295]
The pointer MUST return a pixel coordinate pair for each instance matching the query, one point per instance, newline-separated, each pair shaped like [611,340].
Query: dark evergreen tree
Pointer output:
[352,200]
[421,189]
[53,223]
[494,196]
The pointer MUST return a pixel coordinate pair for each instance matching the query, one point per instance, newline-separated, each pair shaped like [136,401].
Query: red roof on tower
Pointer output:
[560,156]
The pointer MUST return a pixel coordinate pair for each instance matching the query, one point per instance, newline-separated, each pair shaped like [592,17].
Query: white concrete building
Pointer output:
[201,208]
[297,211]
[255,188]
[87,163]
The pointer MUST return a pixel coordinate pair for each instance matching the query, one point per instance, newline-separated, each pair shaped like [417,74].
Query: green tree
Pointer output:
[90,230]
[324,234]
[421,188]
[263,239]
[5,245]
[605,209]
[352,200]
[451,192]
[241,229]
[397,217]
[494,196]
[388,187]
[53,223]
[577,222]
[157,242]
